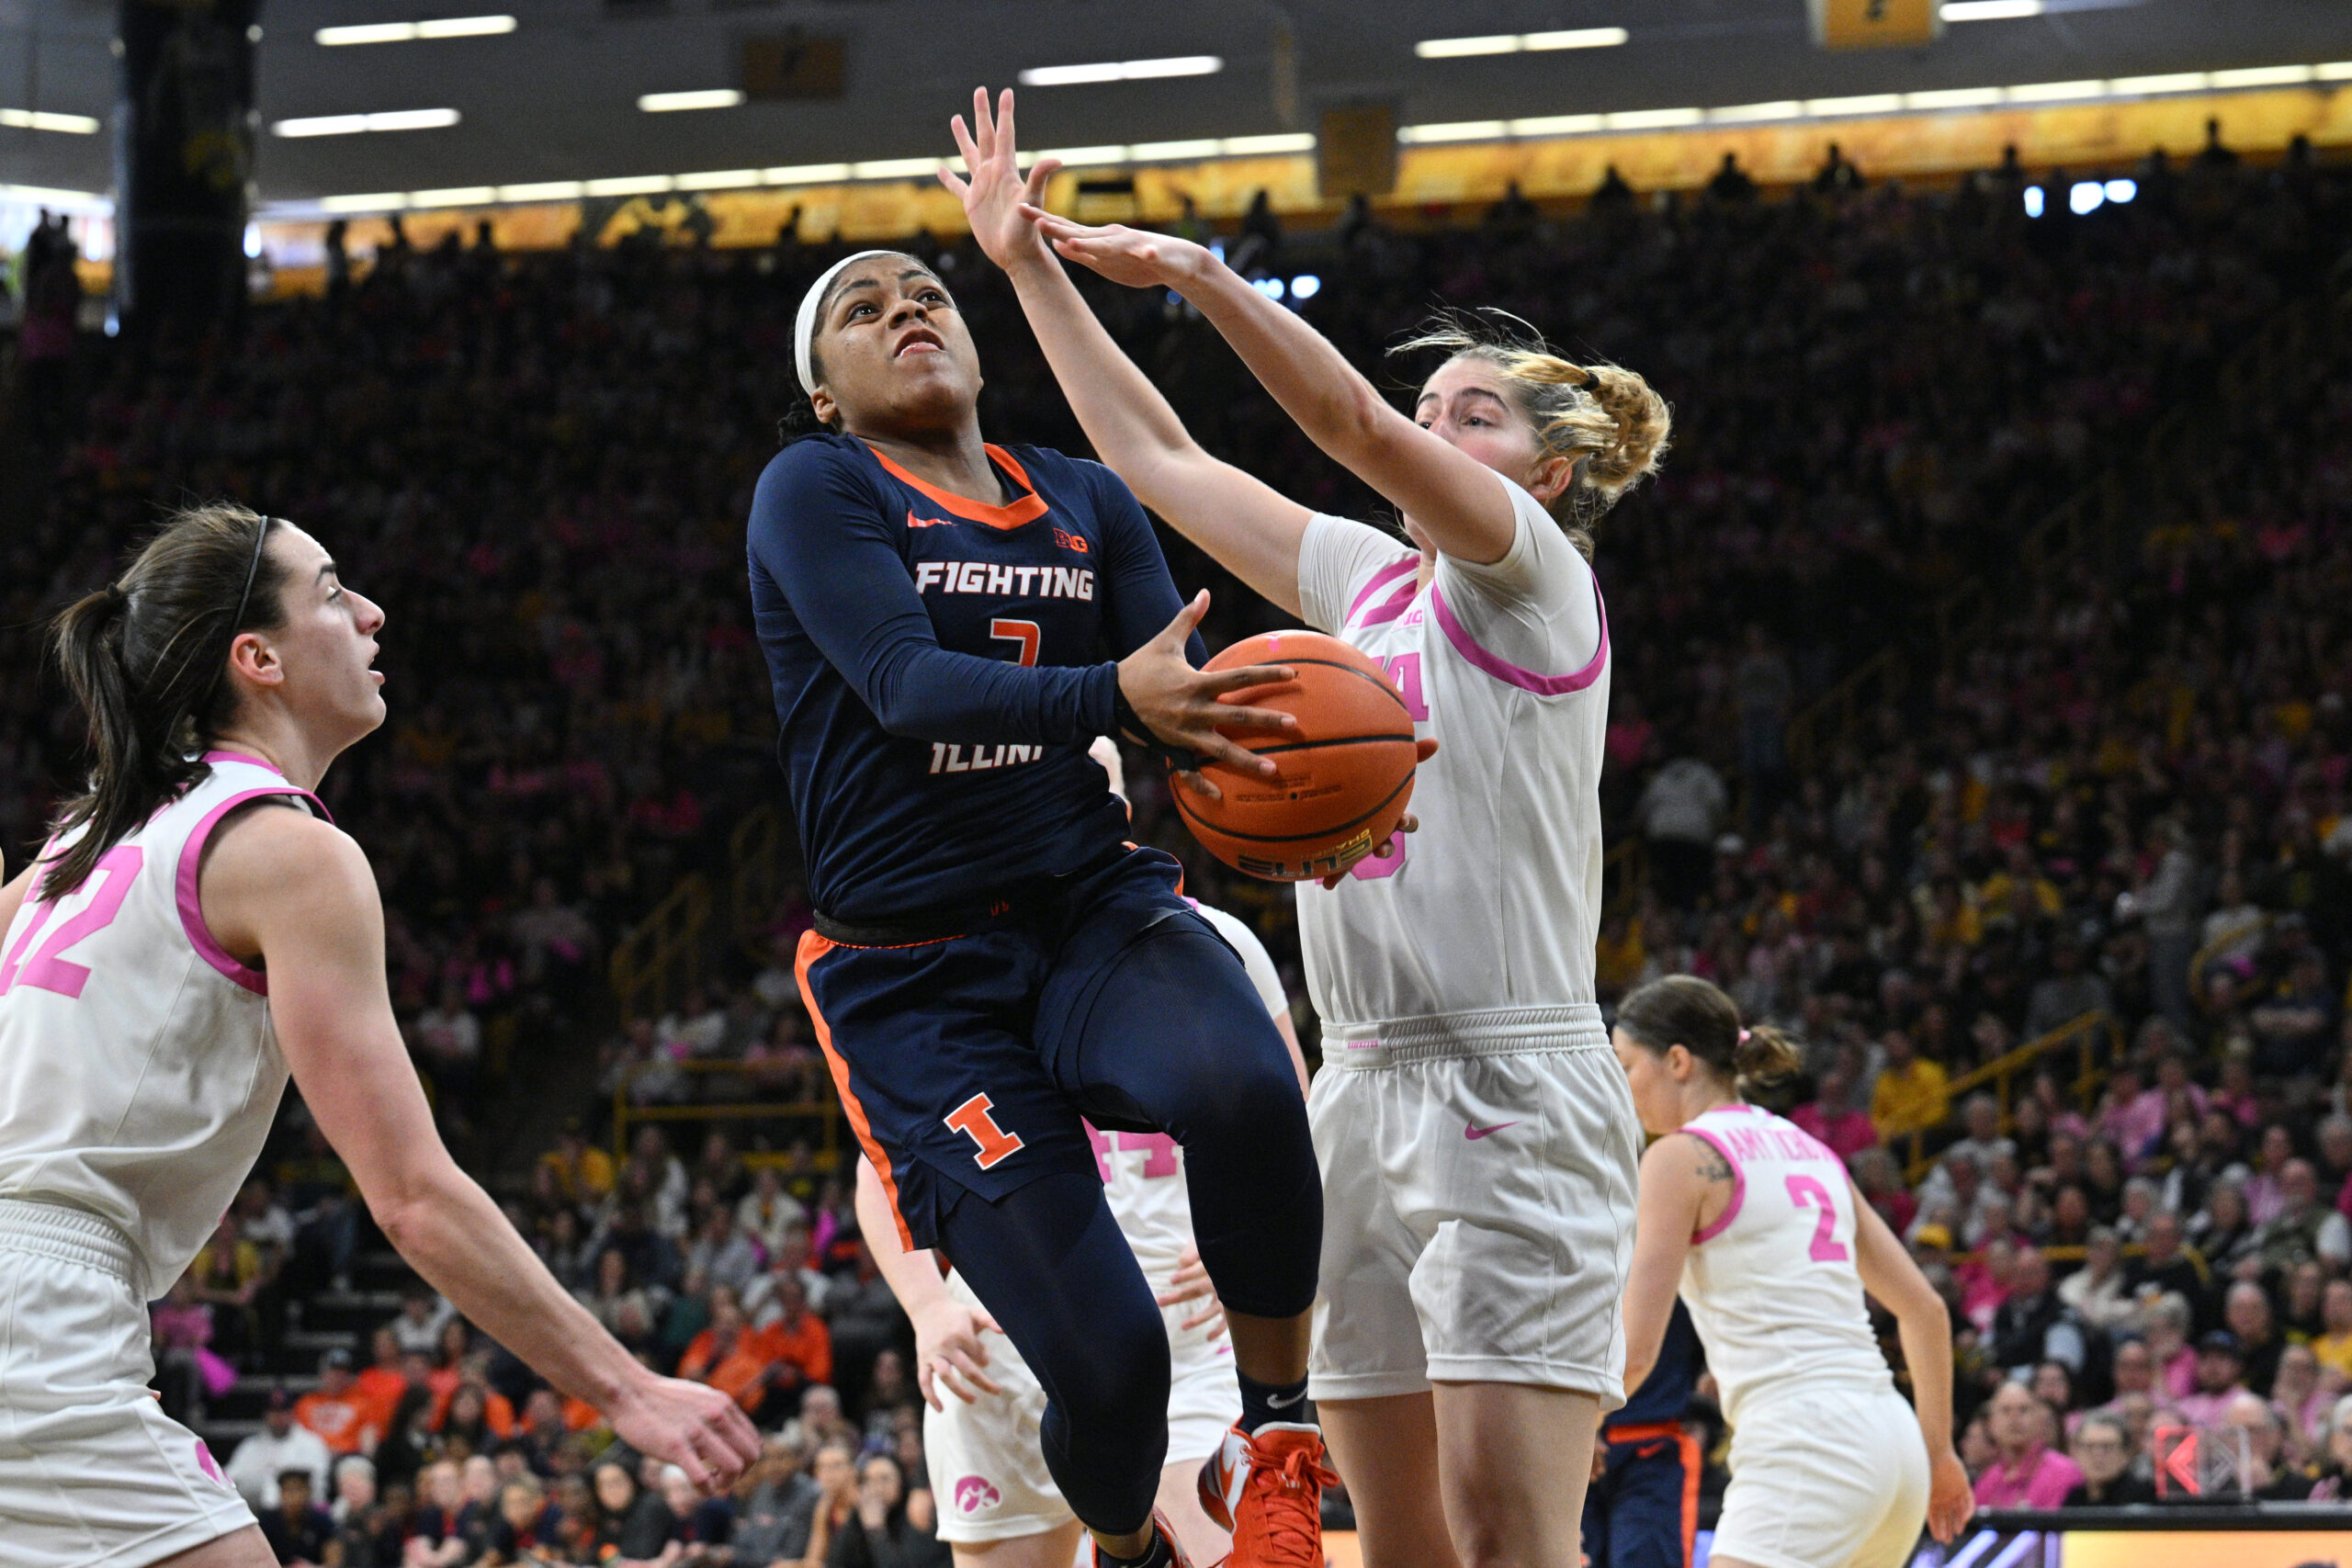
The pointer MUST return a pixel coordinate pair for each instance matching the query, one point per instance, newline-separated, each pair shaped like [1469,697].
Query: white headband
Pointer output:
[804,325]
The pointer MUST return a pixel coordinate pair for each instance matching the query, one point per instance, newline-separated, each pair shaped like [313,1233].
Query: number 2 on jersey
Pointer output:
[47,970]
[1807,1193]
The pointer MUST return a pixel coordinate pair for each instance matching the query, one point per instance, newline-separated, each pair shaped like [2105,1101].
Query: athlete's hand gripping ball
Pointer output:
[1178,704]
[698,1429]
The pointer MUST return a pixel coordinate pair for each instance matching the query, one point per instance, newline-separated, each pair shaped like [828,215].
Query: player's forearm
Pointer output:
[1132,426]
[923,691]
[1331,400]
[913,1276]
[449,1231]
[1925,1330]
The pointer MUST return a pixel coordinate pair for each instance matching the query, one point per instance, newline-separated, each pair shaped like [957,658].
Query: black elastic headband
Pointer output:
[253,569]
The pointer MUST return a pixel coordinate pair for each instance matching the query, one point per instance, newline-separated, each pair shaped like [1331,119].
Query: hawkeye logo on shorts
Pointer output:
[976,1494]
[972,1120]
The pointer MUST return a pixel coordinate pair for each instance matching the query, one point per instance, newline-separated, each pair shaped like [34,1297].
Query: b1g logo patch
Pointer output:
[976,1495]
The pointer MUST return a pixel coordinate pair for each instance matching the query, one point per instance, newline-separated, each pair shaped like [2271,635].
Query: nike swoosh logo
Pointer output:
[1275,1402]
[1475,1133]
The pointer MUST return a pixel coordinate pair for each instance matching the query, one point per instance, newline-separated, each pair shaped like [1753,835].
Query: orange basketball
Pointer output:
[1347,772]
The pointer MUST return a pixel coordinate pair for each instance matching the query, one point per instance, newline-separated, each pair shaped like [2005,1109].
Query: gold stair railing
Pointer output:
[755,866]
[661,957]
[2087,1035]
[820,1111]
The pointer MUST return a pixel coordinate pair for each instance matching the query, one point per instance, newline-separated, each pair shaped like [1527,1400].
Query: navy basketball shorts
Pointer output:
[966,1064]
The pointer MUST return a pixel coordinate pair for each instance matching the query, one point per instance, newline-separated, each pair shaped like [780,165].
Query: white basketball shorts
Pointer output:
[1825,1478]
[1477,1221]
[987,1471]
[92,1471]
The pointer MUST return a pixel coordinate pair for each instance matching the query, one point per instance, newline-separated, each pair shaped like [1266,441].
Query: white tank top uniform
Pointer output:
[987,1469]
[138,1078]
[1478,1144]
[1828,1467]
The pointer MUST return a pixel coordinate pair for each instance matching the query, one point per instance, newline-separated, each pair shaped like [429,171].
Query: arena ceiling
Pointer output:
[556,98]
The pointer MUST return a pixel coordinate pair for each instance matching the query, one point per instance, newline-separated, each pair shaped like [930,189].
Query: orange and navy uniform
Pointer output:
[1644,1511]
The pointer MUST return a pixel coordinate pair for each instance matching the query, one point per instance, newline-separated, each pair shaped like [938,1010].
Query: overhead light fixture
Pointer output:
[41,119]
[1122,70]
[388,201]
[457,196]
[1516,43]
[408,32]
[1990,10]
[630,184]
[707,99]
[352,124]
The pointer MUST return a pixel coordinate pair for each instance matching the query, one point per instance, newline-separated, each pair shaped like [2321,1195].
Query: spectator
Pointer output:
[879,1532]
[768,1213]
[2095,1293]
[281,1445]
[777,1506]
[1831,1117]
[2032,1324]
[2275,1480]
[2333,1345]
[2305,1226]
[298,1530]
[2334,1482]
[700,1526]
[583,1170]
[632,1525]
[2247,1314]
[2026,1471]
[1910,1095]
[835,1471]
[423,1313]
[2220,1378]
[723,1253]
[2102,1452]
[746,1364]
[2069,993]
[335,1410]
[1680,813]
[525,1529]
[2167,1265]
[2302,1402]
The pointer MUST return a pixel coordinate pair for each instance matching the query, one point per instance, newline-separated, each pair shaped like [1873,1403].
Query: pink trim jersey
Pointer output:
[1477,937]
[138,1072]
[1771,1283]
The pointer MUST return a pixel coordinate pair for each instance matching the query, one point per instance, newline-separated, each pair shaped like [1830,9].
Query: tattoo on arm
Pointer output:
[1713,1167]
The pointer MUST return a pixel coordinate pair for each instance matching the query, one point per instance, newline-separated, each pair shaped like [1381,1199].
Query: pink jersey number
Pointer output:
[48,969]
[1405,669]
[1807,1193]
[1158,1148]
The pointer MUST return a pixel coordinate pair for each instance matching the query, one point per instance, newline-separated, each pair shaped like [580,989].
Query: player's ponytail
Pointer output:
[1682,1009]
[145,656]
[1603,418]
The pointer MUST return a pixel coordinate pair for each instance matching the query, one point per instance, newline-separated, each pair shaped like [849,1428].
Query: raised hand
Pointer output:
[997,199]
[1179,704]
[1136,258]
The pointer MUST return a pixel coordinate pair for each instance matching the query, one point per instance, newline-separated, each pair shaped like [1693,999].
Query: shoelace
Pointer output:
[1298,1536]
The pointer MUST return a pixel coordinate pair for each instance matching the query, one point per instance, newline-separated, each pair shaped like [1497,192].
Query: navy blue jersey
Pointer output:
[1665,1391]
[941,667]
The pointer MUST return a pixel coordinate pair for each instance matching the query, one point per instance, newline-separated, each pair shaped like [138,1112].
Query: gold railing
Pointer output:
[754,878]
[824,1111]
[2086,1034]
[661,957]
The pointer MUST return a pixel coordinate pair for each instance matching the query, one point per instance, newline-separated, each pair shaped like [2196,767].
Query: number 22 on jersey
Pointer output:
[48,969]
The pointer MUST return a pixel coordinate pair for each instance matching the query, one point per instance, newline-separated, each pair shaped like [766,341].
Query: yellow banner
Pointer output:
[1875,23]
[2202,1548]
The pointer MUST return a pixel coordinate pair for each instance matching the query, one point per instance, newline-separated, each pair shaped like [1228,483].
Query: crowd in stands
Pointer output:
[2129,800]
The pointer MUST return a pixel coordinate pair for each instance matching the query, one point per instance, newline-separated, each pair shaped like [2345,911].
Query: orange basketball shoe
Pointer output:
[1175,1557]
[1267,1488]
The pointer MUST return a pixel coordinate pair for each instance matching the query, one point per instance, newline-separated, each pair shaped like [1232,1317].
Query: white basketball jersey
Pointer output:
[1478,935]
[1772,1284]
[138,1075]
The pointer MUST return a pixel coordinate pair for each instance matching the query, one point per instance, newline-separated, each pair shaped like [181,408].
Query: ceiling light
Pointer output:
[542,190]
[352,124]
[1779,108]
[2173,82]
[1086,157]
[2337,70]
[39,120]
[1514,43]
[1148,151]
[1863,103]
[389,201]
[629,185]
[1990,10]
[1259,146]
[457,196]
[2052,92]
[894,169]
[1463,47]
[2264,76]
[719,179]
[408,32]
[1574,38]
[706,98]
[1460,131]
[1122,70]
[806,174]
[1952,99]
[1556,125]
[1654,119]
[50,196]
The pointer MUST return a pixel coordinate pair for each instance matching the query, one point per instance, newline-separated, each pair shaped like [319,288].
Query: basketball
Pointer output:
[1347,772]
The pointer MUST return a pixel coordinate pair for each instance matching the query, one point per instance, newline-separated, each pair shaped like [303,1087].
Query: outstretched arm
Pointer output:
[1924,1324]
[297,893]
[1251,529]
